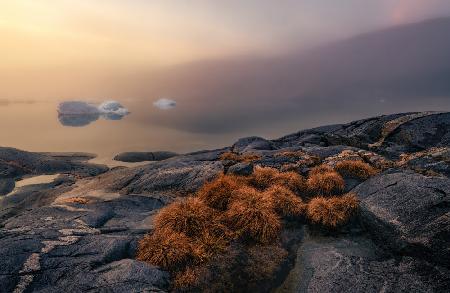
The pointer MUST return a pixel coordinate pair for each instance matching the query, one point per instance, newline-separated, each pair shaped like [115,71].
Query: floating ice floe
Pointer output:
[77,108]
[164,104]
[78,113]
[113,107]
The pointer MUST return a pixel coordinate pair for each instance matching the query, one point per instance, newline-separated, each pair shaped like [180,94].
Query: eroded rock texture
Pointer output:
[79,233]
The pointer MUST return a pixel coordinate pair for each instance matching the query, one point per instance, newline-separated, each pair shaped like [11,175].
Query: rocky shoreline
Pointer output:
[80,232]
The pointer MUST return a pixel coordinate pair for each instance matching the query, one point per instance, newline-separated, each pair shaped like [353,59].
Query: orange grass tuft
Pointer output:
[253,216]
[190,216]
[167,249]
[189,279]
[321,169]
[328,183]
[230,156]
[218,193]
[332,212]
[355,169]
[80,200]
[264,177]
[285,202]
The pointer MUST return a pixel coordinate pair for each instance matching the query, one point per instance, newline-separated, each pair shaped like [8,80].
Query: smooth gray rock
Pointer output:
[6,185]
[144,156]
[243,169]
[247,144]
[421,133]
[356,264]
[408,212]
[15,163]
[79,248]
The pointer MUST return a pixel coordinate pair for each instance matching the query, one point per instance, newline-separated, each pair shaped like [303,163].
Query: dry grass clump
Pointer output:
[328,183]
[263,262]
[214,239]
[332,212]
[230,156]
[218,193]
[264,177]
[355,169]
[285,202]
[76,199]
[321,169]
[236,219]
[190,216]
[252,215]
[189,279]
[165,248]
[291,154]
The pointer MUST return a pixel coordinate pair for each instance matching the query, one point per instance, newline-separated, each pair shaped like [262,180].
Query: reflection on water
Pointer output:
[38,127]
[77,120]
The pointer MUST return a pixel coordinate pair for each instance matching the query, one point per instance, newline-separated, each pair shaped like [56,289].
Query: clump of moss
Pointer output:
[285,202]
[230,156]
[332,212]
[264,177]
[327,183]
[355,169]
[252,215]
[218,193]
[166,248]
[189,216]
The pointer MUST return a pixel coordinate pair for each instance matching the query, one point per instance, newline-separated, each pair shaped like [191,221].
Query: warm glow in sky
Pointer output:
[84,36]
[43,32]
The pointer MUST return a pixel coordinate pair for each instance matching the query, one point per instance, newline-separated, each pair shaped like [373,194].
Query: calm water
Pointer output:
[36,127]
[192,125]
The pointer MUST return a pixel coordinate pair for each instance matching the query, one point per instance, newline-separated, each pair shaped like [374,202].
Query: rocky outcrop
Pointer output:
[79,232]
[133,157]
[408,212]
[15,163]
[355,263]
[79,248]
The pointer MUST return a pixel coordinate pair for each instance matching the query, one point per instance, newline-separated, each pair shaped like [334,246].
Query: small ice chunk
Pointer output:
[76,108]
[164,104]
[113,107]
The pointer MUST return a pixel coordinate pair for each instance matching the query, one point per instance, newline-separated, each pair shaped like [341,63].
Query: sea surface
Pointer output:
[36,126]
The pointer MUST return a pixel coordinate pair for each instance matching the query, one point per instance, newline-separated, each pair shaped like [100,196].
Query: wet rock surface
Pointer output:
[79,233]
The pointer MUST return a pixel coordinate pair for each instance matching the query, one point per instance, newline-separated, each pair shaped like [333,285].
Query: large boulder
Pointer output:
[356,264]
[420,134]
[408,212]
[251,143]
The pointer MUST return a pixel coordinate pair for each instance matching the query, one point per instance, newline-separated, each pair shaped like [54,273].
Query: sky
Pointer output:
[59,42]
[161,32]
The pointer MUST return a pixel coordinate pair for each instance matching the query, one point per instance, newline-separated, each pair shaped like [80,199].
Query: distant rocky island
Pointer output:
[357,207]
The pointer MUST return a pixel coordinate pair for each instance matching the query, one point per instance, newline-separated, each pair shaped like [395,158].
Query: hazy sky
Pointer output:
[60,32]
[84,41]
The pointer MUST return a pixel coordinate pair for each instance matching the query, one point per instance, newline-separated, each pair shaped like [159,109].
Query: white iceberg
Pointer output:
[113,107]
[78,113]
[77,108]
[164,104]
